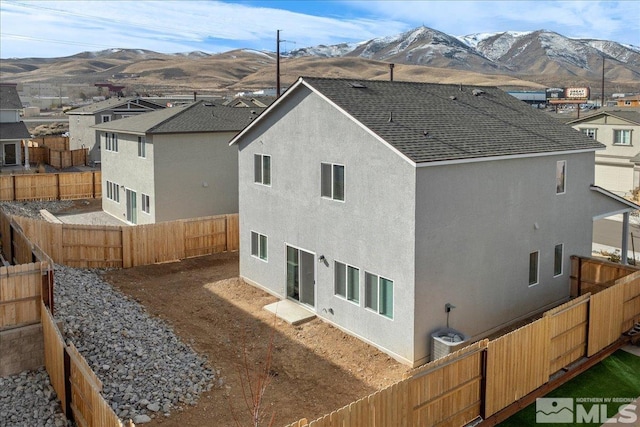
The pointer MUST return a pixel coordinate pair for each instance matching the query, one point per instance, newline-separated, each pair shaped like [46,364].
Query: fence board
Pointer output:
[154,243]
[203,236]
[47,186]
[233,232]
[605,318]
[20,294]
[79,185]
[54,349]
[568,332]
[91,246]
[631,298]
[511,374]
[6,187]
[36,187]
[448,391]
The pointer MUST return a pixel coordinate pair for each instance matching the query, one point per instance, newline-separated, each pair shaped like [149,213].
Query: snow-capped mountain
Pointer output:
[526,53]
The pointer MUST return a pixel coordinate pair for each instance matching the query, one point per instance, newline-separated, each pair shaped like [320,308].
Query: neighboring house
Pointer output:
[261,102]
[617,167]
[173,163]
[12,129]
[81,120]
[378,204]
[629,101]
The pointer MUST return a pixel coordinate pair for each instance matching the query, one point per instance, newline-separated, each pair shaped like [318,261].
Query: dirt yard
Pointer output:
[315,367]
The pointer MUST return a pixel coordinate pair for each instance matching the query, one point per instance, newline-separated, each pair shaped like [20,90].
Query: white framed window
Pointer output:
[332,181]
[142,146]
[533,267]
[561,176]
[144,202]
[622,136]
[259,246]
[347,281]
[378,294]
[113,191]
[262,169]
[105,118]
[590,132]
[111,142]
[558,254]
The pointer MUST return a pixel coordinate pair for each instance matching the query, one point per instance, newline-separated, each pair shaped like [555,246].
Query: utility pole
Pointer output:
[602,96]
[278,64]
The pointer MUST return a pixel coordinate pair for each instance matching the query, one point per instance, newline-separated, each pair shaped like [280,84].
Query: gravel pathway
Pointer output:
[32,209]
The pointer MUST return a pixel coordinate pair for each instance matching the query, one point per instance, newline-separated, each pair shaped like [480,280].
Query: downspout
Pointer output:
[625,239]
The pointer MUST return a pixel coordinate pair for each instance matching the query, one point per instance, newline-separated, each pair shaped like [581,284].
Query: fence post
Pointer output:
[67,385]
[13,186]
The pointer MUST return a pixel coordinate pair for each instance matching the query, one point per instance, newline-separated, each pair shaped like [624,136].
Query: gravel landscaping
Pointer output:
[145,369]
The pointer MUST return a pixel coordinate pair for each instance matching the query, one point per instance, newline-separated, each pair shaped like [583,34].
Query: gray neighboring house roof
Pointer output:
[429,122]
[12,131]
[9,99]
[628,115]
[114,103]
[201,116]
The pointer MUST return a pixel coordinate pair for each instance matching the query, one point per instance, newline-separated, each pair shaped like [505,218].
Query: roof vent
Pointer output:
[208,104]
[357,85]
[390,116]
[477,92]
[453,98]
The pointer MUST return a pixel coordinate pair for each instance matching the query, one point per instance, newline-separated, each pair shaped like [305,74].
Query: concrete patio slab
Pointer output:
[290,312]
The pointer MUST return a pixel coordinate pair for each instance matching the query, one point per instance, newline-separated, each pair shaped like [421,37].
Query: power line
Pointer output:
[36,39]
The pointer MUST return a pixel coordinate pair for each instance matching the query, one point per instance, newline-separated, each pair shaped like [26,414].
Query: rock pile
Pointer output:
[145,369]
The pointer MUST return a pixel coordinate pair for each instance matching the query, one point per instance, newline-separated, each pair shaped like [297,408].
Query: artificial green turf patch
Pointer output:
[618,376]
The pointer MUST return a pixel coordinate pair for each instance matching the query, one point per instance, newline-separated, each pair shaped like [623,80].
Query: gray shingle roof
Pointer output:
[201,116]
[14,131]
[113,103]
[629,115]
[436,122]
[9,99]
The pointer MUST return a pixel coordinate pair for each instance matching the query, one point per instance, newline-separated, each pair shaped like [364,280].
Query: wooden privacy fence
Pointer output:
[76,385]
[60,143]
[486,377]
[20,294]
[23,285]
[130,246]
[51,186]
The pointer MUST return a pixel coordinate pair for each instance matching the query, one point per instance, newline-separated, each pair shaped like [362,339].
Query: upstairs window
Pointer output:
[622,136]
[332,181]
[262,169]
[561,176]
[142,146]
[111,142]
[106,119]
[590,132]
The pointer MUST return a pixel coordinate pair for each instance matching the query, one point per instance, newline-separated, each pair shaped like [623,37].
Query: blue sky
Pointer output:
[62,28]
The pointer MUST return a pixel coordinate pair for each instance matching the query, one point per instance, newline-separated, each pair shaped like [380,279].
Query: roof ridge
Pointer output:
[173,116]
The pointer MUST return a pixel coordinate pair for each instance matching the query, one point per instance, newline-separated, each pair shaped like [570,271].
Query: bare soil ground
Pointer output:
[315,368]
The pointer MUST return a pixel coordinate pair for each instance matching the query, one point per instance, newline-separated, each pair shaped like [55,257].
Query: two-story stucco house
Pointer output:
[12,129]
[173,163]
[618,166]
[81,120]
[379,205]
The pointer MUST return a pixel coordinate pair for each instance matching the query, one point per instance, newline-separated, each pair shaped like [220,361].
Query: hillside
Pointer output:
[524,60]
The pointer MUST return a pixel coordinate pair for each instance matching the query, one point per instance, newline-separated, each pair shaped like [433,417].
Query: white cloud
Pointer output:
[59,28]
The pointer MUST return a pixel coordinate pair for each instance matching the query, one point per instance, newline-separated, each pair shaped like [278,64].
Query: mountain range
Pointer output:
[526,60]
